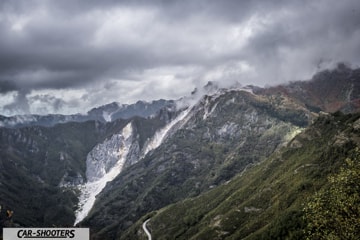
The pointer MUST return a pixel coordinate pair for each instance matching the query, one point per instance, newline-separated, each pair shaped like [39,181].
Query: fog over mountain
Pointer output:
[70,56]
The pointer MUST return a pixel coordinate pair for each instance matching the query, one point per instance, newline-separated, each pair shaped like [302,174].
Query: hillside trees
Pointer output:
[334,213]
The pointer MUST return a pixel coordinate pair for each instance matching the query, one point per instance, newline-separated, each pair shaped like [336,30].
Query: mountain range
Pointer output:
[229,163]
[105,113]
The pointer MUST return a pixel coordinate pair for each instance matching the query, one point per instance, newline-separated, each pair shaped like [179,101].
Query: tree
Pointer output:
[334,212]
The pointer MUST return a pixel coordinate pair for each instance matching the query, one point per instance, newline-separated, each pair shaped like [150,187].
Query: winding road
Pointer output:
[146,230]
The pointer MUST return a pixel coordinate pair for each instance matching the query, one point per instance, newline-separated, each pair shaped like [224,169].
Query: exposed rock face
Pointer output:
[103,164]
[50,163]
[213,141]
[105,155]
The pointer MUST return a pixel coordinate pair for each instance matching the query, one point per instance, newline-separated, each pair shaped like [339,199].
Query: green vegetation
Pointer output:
[35,162]
[267,201]
[334,211]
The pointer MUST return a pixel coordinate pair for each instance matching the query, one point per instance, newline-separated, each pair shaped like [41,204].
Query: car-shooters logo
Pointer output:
[46,233]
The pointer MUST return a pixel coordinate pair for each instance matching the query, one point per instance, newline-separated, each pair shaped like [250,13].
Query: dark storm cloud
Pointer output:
[7,86]
[297,39]
[86,46]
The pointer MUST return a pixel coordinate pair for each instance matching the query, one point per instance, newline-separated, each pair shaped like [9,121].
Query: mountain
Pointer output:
[223,134]
[105,113]
[266,201]
[113,111]
[328,91]
[137,161]
[218,138]
[42,168]
[50,120]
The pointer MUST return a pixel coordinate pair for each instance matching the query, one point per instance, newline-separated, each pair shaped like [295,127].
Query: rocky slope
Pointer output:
[265,202]
[43,168]
[328,91]
[218,138]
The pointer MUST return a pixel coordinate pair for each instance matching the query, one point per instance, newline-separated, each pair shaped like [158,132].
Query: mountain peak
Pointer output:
[329,90]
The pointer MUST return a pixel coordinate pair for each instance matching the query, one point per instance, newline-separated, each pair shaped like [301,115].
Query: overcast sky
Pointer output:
[66,56]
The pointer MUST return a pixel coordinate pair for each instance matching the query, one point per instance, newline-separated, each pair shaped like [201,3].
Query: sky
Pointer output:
[71,55]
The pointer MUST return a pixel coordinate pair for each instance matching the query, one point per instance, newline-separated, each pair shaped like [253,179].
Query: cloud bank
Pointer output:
[68,56]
